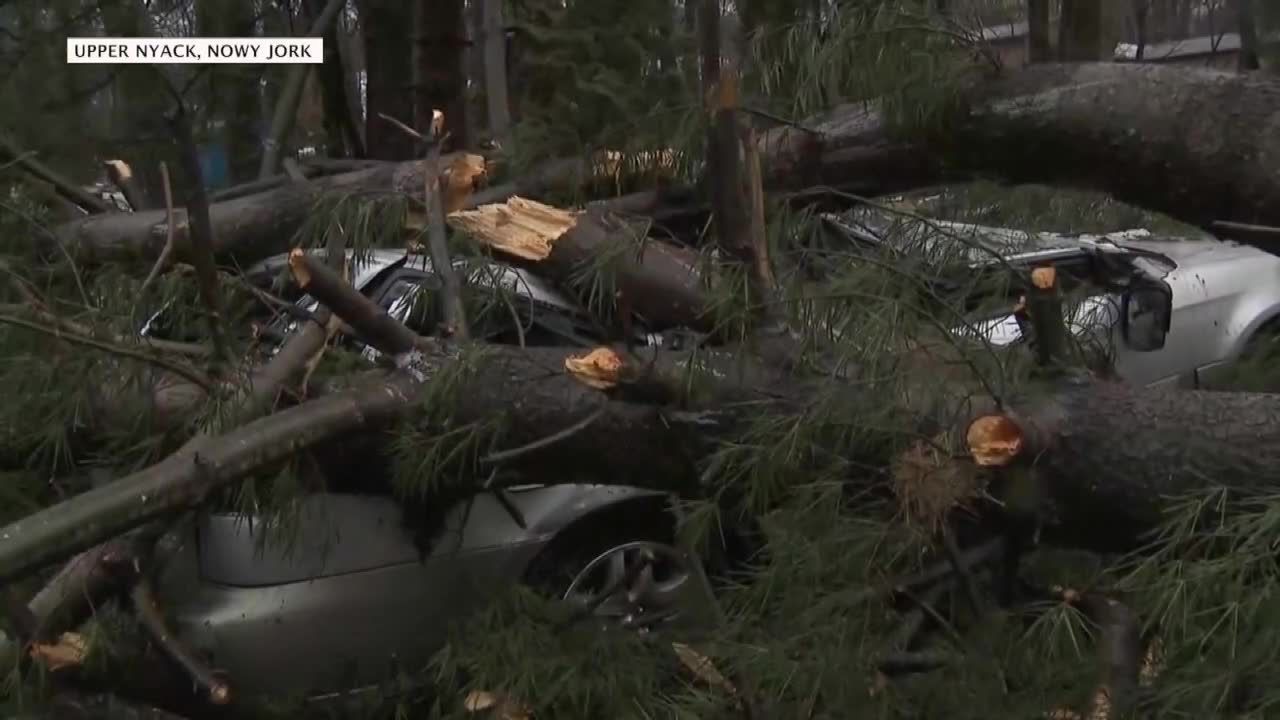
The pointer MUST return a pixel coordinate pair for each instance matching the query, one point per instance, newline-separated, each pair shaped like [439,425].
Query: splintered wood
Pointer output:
[460,180]
[994,441]
[599,368]
[519,227]
[70,650]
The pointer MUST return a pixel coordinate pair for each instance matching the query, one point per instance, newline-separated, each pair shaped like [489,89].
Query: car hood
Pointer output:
[986,245]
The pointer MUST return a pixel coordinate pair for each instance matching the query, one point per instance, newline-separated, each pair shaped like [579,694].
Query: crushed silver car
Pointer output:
[351,594]
[1175,310]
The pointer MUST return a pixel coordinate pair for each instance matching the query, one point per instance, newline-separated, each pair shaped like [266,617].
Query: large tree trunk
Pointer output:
[1192,143]
[1039,48]
[439,67]
[244,229]
[1107,459]
[387,53]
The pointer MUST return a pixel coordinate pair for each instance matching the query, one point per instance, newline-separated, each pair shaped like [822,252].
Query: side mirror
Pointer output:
[1145,315]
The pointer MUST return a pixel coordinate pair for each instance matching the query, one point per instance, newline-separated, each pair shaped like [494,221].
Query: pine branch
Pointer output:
[177,368]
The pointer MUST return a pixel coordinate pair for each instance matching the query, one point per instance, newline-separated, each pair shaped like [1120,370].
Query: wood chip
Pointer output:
[994,440]
[519,227]
[599,368]
[70,650]
[498,706]
[702,668]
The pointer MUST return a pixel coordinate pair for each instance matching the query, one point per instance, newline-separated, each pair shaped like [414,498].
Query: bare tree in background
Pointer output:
[1248,59]
[1038,46]
[1080,31]
[495,70]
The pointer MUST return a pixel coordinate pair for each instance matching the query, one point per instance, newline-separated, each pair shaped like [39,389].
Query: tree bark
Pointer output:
[495,72]
[1248,36]
[1080,31]
[1039,49]
[244,229]
[439,68]
[387,54]
[1189,142]
[286,110]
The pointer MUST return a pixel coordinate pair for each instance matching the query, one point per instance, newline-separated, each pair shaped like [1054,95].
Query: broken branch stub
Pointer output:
[373,323]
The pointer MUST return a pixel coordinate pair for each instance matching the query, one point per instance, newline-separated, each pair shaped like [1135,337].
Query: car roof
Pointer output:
[976,244]
[369,265]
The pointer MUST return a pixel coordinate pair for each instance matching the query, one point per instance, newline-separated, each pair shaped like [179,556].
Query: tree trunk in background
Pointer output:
[341,136]
[387,50]
[232,90]
[1080,31]
[1248,35]
[1039,48]
[440,69]
[495,71]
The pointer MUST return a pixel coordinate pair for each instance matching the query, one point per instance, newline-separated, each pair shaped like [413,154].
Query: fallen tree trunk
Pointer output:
[1105,458]
[530,389]
[244,229]
[1193,143]
[658,281]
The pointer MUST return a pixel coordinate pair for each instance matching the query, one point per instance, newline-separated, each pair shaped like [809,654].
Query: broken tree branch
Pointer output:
[373,323]
[121,175]
[147,607]
[65,188]
[166,254]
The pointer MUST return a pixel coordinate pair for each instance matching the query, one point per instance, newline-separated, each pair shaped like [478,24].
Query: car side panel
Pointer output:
[349,597]
[342,631]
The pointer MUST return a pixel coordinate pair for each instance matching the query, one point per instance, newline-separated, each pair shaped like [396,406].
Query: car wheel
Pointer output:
[1257,369]
[632,578]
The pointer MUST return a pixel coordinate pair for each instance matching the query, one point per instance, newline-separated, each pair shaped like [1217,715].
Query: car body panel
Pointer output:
[344,591]
[350,592]
[1223,292]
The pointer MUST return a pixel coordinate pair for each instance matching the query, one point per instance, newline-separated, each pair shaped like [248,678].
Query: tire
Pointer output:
[1257,369]
[630,550]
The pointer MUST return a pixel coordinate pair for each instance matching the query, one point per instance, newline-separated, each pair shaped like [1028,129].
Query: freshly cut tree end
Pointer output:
[600,368]
[460,179]
[519,227]
[1044,278]
[220,694]
[70,650]
[994,440]
[298,267]
[499,706]
[119,170]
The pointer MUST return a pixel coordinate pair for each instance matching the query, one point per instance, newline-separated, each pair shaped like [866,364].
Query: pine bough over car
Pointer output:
[268,614]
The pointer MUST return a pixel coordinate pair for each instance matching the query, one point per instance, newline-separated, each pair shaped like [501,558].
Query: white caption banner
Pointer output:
[193,51]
